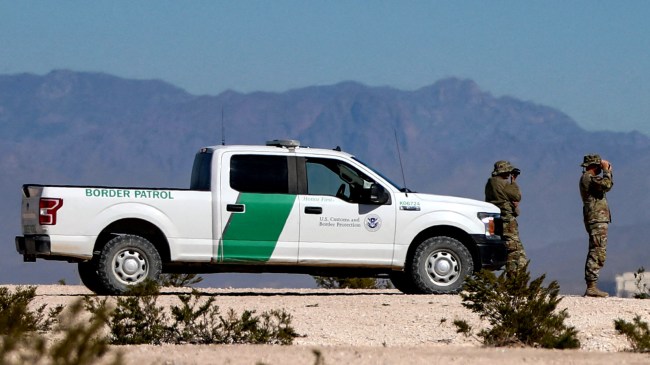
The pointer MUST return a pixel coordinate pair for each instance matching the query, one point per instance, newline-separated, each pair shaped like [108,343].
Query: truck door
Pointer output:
[258,209]
[338,222]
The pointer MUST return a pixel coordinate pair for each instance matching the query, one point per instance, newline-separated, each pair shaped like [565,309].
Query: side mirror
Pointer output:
[378,195]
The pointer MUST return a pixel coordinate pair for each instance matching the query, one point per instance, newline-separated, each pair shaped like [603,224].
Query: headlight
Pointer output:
[489,220]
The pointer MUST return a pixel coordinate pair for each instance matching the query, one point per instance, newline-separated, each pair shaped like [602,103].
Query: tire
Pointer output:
[403,282]
[89,276]
[440,265]
[125,261]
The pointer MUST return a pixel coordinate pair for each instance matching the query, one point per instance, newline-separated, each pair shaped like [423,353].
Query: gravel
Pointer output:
[382,327]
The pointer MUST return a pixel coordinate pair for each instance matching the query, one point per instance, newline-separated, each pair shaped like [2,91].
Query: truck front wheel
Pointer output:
[440,266]
[125,261]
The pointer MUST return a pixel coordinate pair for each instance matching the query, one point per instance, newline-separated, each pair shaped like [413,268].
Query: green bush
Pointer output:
[463,327]
[15,314]
[268,328]
[19,325]
[195,322]
[201,323]
[136,319]
[83,341]
[637,332]
[329,282]
[520,313]
[22,341]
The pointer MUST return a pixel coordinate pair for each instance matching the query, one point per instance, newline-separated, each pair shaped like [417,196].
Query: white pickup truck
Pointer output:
[277,208]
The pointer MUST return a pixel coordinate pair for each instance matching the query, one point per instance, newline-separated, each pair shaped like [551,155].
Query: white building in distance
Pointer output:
[630,283]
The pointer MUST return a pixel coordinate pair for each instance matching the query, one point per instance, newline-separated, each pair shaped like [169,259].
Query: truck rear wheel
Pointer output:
[125,261]
[89,276]
[440,266]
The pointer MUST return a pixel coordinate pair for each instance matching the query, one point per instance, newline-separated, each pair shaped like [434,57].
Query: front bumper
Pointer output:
[32,246]
[492,252]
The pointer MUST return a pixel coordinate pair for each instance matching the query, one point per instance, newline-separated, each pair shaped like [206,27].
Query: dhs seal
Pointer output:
[373,222]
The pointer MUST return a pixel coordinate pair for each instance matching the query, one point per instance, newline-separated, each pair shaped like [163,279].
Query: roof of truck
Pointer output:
[275,146]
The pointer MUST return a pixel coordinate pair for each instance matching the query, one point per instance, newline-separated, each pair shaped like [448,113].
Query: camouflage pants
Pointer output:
[516,255]
[597,250]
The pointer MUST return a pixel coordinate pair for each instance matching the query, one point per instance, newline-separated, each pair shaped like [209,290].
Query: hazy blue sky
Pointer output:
[590,59]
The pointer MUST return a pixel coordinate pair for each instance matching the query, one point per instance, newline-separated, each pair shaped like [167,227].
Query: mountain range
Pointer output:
[69,127]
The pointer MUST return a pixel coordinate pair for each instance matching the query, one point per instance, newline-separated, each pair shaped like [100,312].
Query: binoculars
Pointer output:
[515,172]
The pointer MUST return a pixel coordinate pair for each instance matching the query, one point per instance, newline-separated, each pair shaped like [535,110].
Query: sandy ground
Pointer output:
[382,327]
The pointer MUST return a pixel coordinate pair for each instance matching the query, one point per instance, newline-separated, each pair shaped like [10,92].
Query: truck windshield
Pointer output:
[379,173]
[201,171]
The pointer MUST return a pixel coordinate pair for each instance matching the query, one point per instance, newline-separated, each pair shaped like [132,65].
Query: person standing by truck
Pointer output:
[502,190]
[597,216]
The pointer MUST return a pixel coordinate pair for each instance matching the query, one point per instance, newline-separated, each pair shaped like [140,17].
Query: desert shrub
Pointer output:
[15,314]
[199,321]
[271,327]
[520,313]
[136,319]
[18,325]
[637,332]
[329,282]
[643,292]
[22,341]
[463,327]
[179,280]
[195,321]
[82,341]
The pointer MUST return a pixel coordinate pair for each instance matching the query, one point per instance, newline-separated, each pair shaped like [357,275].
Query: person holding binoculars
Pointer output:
[502,190]
[596,180]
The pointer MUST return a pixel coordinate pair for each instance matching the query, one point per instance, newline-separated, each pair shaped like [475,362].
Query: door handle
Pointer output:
[237,208]
[313,210]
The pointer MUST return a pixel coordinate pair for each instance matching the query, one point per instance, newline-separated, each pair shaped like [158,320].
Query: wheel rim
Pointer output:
[130,266]
[443,267]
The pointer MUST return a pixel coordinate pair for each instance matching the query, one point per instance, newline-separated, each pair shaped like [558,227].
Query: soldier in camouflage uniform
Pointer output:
[502,190]
[596,215]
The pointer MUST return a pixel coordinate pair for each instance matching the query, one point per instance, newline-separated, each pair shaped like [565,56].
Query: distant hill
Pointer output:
[89,128]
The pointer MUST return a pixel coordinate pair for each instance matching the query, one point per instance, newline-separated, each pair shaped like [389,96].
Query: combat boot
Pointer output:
[593,291]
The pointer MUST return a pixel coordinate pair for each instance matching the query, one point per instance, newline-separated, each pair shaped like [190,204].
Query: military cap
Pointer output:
[589,160]
[502,167]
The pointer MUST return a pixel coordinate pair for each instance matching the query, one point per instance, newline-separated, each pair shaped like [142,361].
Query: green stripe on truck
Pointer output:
[253,235]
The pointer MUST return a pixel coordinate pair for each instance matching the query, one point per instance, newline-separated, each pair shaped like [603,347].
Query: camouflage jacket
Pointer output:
[594,202]
[504,195]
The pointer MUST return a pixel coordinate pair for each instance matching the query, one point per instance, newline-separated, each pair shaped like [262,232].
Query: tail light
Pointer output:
[47,208]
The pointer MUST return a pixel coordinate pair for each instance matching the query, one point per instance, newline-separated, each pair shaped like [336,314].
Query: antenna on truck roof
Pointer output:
[406,191]
[223,131]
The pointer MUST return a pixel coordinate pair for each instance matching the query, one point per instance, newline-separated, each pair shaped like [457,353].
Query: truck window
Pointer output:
[321,180]
[335,178]
[201,171]
[259,174]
